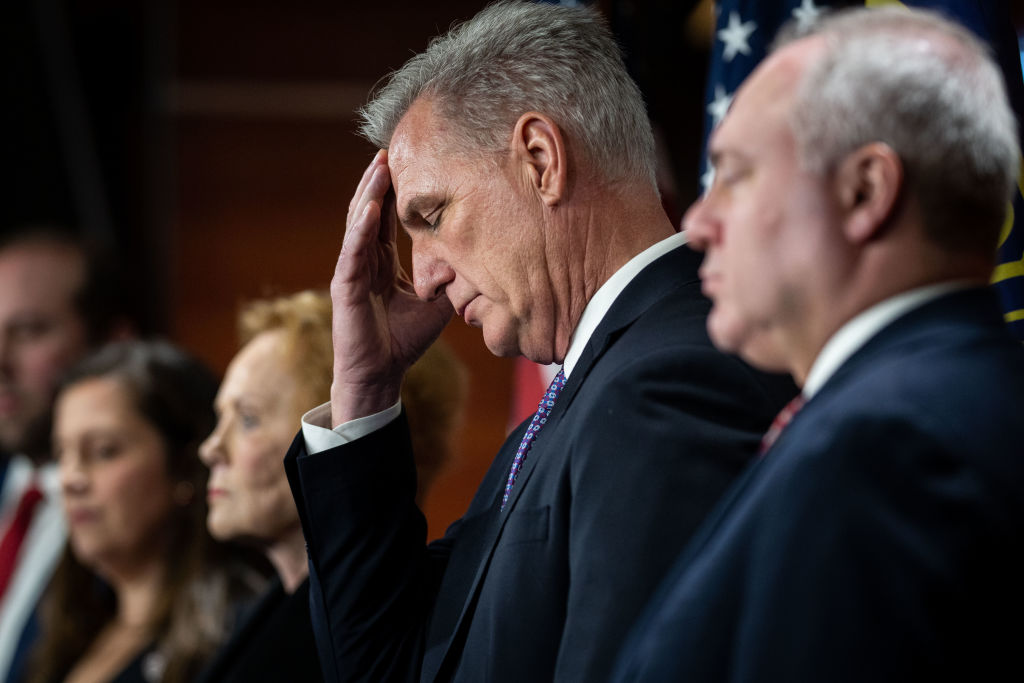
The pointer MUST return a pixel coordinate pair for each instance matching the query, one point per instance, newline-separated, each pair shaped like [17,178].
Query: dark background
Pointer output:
[212,144]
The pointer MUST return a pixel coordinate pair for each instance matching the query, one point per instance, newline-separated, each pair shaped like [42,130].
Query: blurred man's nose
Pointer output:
[699,224]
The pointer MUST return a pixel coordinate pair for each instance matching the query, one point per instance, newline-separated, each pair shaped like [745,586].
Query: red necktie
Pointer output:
[780,422]
[16,532]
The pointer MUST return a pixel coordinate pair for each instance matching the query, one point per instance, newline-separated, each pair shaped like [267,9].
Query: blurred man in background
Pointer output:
[58,299]
[862,179]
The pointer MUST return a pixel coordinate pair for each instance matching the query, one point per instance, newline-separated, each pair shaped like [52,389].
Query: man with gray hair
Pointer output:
[862,179]
[522,167]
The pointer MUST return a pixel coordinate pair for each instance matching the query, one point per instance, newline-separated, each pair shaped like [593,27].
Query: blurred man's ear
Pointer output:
[868,182]
[539,146]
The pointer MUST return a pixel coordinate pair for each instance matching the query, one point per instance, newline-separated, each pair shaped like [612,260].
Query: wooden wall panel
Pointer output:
[266,160]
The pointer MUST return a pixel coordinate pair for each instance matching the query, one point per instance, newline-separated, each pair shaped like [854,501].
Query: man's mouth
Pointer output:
[708,282]
[463,312]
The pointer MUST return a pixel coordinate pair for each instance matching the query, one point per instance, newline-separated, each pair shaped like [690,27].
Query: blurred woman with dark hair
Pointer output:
[142,592]
[283,369]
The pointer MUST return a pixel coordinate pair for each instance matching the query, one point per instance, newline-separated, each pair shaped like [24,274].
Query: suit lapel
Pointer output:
[951,319]
[948,319]
[659,279]
[662,278]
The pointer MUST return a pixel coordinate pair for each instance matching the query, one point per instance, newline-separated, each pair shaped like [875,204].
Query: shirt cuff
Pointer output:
[319,437]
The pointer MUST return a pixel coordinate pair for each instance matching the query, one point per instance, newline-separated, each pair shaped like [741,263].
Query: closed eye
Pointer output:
[730,178]
[434,220]
[421,211]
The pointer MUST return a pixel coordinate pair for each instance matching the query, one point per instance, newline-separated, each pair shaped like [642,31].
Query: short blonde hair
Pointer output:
[432,393]
[305,320]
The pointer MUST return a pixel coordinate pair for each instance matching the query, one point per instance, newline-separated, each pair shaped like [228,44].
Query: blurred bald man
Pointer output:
[862,179]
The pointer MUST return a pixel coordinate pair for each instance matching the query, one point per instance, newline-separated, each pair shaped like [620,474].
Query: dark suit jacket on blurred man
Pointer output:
[862,180]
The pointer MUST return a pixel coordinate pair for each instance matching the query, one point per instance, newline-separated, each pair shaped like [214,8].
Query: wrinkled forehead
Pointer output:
[420,142]
[430,159]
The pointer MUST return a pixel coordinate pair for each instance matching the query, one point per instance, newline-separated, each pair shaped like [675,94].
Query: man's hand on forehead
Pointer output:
[379,326]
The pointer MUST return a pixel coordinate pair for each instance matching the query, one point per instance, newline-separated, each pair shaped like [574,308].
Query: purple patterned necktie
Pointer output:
[539,418]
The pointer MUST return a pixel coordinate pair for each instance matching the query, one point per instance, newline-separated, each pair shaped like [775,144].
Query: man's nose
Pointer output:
[430,273]
[699,224]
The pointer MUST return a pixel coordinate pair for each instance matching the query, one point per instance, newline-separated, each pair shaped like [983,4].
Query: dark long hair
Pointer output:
[174,392]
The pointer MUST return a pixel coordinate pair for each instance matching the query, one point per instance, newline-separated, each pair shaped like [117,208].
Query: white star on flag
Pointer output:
[735,36]
[806,14]
[719,106]
[707,179]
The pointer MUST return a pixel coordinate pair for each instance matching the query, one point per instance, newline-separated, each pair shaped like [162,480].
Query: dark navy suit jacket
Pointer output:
[882,536]
[651,427]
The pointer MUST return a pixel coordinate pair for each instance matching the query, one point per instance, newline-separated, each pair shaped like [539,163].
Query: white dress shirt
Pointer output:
[38,554]
[861,328]
[316,423]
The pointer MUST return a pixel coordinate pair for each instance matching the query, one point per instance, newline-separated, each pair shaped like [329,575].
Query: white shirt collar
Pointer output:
[606,295]
[862,327]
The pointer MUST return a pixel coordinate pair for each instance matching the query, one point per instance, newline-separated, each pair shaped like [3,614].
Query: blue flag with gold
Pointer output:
[745,28]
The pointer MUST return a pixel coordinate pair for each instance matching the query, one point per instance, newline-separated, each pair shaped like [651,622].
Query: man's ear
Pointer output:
[868,182]
[538,147]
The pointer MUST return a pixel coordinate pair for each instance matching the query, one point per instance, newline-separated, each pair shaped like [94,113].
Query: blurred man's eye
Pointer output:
[27,330]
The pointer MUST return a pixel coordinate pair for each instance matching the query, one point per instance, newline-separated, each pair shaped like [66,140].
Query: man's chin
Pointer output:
[512,340]
[502,348]
[12,439]
[501,342]
[725,331]
[756,346]
[764,357]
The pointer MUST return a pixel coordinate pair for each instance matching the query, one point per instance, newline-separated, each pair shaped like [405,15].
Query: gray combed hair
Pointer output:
[515,57]
[929,89]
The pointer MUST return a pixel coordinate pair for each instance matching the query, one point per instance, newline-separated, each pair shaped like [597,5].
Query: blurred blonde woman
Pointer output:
[142,592]
[283,369]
